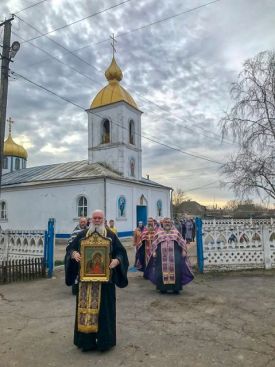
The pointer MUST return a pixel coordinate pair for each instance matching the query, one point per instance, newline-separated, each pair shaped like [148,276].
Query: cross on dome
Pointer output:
[113,44]
[10,121]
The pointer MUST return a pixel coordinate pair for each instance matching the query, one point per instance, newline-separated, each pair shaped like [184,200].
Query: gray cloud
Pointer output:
[184,65]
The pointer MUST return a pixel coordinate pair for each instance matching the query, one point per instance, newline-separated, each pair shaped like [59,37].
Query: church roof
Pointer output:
[113,92]
[70,171]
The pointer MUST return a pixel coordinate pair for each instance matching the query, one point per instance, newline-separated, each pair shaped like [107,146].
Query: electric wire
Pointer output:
[149,24]
[30,6]
[79,20]
[58,44]
[57,59]
[144,98]
[154,140]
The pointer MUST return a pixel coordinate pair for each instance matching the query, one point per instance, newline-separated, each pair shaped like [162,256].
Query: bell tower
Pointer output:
[114,127]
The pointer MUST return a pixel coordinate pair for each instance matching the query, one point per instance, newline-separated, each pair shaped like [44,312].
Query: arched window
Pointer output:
[82,207]
[106,132]
[3,210]
[132,167]
[132,132]
[5,163]
[17,163]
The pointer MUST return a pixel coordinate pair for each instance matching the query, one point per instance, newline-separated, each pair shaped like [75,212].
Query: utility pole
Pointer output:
[8,52]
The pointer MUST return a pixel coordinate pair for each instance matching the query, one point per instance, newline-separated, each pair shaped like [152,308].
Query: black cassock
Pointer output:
[105,338]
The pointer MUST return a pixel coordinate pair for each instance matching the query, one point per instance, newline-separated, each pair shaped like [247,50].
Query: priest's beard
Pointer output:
[99,228]
[167,227]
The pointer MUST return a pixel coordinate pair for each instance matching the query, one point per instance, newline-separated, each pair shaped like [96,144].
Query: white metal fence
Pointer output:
[238,244]
[22,244]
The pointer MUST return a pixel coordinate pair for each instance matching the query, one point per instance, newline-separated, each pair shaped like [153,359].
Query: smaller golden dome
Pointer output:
[13,149]
[113,92]
[114,71]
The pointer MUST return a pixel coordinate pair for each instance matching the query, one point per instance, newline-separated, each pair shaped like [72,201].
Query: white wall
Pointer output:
[133,194]
[118,152]
[30,207]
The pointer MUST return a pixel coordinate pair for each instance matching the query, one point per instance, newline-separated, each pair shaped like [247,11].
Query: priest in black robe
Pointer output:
[97,299]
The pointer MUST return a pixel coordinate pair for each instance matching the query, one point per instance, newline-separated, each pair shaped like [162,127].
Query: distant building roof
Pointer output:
[191,207]
[70,171]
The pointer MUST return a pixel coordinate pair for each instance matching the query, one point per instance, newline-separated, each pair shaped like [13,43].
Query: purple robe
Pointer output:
[169,267]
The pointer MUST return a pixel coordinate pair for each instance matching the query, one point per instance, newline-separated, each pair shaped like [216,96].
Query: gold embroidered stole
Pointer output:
[168,262]
[89,296]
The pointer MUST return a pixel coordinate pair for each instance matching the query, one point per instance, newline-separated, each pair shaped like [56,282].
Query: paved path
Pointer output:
[218,320]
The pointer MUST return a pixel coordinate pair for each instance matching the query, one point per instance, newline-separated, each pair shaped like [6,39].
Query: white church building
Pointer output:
[111,179]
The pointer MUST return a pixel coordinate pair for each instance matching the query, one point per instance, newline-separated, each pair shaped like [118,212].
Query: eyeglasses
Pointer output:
[97,218]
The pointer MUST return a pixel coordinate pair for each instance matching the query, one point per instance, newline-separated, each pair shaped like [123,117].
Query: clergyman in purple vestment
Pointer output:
[169,267]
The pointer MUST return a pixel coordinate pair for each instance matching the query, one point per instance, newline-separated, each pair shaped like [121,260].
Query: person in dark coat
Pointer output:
[95,321]
[83,224]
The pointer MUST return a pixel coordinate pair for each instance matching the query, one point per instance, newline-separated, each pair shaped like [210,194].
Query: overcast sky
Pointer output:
[178,71]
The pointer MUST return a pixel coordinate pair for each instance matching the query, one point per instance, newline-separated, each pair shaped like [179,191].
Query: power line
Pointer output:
[187,127]
[150,24]
[202,186]
[144,98]
[57,43]
[57,59]
[79,20]
[100,116]
[30,6]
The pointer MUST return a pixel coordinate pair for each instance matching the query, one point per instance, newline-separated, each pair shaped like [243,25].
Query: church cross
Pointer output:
[10,121]
[113,43]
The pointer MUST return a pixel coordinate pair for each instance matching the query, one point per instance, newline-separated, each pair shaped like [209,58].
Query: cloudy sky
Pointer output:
[178,70]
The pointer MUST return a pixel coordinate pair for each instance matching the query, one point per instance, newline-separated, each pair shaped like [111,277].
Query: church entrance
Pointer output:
[142,214]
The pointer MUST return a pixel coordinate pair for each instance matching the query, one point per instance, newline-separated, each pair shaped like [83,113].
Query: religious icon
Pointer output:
[159,208]
[95,259]
[121,206]
[94,266]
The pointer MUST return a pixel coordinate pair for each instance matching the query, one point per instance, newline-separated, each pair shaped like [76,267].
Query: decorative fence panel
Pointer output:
[238,244]
[22,255]
[15,245]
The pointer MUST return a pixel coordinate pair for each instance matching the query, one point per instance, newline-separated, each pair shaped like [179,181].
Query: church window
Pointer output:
[17,163]
[106,132]
[132,167]
[159,208]
[3,210]
[5,163]
[132,132]
[82,206]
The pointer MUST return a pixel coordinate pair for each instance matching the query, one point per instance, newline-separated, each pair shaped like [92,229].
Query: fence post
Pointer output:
[51,242]
[266,248]
[6,245]
[200,258]
[46,255]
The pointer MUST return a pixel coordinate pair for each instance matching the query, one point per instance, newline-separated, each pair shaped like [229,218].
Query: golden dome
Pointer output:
[13,149]
[113,92]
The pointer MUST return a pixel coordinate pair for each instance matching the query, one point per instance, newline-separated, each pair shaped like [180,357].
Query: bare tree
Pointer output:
[252,123]
[178,197]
